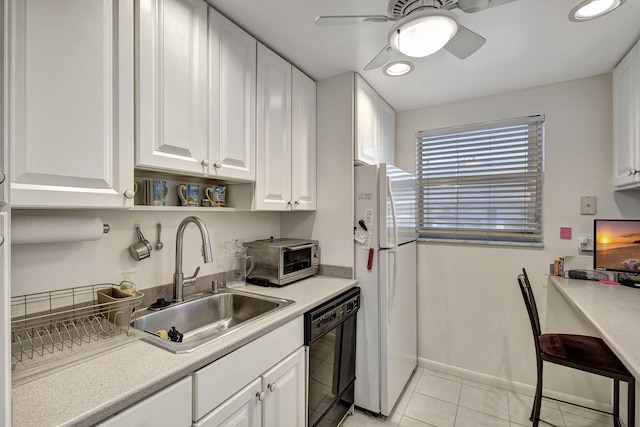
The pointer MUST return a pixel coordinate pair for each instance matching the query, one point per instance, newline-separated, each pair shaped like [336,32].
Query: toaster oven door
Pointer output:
[297,260]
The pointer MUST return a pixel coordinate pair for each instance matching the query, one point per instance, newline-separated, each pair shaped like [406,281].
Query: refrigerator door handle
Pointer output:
[393,213]
[392,283]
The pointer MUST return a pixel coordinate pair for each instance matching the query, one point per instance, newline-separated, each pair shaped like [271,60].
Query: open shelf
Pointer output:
[181,209]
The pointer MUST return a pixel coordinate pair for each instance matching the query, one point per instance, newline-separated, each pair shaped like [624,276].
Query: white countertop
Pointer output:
[613,310]
[94,389]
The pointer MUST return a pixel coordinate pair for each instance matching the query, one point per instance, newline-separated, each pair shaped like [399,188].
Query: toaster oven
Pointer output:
[282,261]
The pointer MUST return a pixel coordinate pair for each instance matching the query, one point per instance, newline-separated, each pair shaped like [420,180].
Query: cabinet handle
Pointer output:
[217,164]
[260,395]
[205,162]
[2,177]
[632,172]
[271,387]
[130,194]
[296,203]
[1,239]
[289,203]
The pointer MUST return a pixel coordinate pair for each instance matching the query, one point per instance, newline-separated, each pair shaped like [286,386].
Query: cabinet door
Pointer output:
[366,149]
[232,97]
[3,111]
[171,85]
[5,355]
[386,133]
[243,409]
[170,407]
[273,169]
[626,138]
[303,141]
[70,114]
[285,387]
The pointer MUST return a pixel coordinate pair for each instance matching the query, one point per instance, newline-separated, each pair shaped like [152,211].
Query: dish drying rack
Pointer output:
[52,329]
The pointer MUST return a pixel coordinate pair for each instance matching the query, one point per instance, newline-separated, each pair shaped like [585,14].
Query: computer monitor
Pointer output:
[617,245]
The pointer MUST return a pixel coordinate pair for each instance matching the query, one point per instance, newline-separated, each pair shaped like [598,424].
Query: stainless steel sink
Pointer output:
[207,317]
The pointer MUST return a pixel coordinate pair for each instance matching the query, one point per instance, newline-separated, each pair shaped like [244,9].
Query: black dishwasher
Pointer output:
[330,334]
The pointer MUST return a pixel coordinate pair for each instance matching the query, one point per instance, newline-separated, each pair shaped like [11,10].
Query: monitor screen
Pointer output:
[617,245]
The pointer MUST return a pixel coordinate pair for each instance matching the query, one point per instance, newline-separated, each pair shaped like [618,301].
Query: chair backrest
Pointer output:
[532,309]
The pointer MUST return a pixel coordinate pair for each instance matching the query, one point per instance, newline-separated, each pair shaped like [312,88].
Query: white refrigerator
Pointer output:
[385,266]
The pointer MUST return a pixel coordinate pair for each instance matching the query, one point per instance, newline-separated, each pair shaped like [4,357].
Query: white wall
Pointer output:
[332,223]
[471,313]
[43,267]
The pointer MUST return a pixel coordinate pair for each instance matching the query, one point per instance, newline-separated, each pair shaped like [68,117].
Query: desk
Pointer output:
[613,310]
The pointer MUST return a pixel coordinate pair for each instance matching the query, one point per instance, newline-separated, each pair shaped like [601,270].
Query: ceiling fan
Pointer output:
[423,27]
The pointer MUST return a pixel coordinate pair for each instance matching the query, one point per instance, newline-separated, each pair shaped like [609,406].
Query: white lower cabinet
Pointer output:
[262,384]
[284,385]
[243,409]
[170,407]
[276,399]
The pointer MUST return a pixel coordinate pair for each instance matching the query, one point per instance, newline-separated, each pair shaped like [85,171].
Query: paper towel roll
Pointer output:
[54,229]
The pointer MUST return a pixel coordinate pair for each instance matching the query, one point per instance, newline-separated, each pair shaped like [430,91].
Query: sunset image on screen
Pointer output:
[617,245]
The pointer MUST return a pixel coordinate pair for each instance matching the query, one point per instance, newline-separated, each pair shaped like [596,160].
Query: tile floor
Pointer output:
[434,399]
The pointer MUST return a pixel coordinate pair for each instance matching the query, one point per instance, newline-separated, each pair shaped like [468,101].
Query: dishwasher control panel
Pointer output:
[327,315]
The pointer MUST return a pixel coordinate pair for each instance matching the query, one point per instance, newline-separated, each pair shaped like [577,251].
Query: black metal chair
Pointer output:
[586,353]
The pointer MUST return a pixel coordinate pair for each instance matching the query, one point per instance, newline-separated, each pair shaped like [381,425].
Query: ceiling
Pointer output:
[529,43]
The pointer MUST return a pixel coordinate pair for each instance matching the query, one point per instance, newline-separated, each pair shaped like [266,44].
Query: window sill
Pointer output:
[480,242]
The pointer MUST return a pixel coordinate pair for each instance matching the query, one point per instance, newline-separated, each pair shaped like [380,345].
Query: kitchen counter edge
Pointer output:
[95,389]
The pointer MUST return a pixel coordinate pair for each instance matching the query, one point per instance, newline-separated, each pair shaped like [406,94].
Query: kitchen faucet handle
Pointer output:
[191,280]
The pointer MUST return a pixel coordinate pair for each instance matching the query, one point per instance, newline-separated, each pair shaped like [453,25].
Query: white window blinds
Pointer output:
[481,181]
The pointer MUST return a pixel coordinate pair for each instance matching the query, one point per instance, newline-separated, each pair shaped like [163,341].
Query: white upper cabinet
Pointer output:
[171,85]
[273,179]
[626,118]
[386,133]
[286,136]
[366,149]
[303,141]
[375,126]
[70,103]
[232,97]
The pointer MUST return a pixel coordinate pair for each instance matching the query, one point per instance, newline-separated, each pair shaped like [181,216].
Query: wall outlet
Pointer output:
[585,243]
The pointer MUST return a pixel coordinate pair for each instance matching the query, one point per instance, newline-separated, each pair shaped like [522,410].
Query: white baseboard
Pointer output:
[514,386]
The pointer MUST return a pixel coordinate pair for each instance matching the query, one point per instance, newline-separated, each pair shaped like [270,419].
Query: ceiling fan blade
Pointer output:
[471,6]
[464,43]
[323,21]
[381,58]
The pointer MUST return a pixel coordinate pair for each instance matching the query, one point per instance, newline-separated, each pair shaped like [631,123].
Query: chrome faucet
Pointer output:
[179,281]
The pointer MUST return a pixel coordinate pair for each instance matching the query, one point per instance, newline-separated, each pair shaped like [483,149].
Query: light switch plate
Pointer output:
[585,243]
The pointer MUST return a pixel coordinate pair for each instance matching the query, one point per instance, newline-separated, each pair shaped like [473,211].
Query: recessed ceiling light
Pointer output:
[592,9]
[397,68]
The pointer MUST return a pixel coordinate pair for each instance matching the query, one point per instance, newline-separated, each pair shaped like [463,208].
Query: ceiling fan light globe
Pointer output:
[425,33]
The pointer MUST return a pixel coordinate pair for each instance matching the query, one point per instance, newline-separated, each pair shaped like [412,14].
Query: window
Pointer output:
[481,181]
